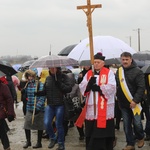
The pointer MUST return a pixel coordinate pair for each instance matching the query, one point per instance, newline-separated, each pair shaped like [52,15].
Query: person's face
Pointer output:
[53,70]
[98,64]
[126,61]
[30,78]
[86,67]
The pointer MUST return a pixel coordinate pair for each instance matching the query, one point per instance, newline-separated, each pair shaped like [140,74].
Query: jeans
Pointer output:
[132,126]
[50,113]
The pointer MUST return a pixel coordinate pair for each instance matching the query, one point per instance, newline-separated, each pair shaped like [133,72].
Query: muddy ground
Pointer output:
[17,136]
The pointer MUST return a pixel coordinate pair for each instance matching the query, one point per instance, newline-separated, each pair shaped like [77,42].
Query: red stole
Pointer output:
[102,102]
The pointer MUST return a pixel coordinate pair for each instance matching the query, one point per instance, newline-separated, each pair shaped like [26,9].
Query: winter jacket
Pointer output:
[56,87]
[12,88]
[83,72]
[6,102]
[135,81]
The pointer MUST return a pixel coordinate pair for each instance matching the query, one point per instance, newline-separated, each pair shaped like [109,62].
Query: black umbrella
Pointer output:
[146,69]
[142,56]
[65,51]
[25,66]
[1,74]
[27,63]
[142,63]
[107,62]
[6,68]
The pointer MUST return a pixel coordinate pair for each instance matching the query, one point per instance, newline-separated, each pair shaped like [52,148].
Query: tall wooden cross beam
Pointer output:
[88,9]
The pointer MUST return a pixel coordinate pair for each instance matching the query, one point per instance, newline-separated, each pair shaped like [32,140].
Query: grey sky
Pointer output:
[31,27]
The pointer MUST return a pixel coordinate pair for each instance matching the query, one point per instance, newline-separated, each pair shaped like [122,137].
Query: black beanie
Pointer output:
[99,56]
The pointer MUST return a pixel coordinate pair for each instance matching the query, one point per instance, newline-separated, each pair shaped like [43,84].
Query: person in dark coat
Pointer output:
[6,111]
[146,106]
[57,84]
[130,91]
[12,88]
[82,73]
[75,97]
[23,84]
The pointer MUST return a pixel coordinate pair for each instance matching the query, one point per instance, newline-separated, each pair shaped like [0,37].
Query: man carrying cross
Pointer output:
[99,126]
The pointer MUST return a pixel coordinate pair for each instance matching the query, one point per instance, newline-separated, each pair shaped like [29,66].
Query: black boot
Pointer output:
[27,144]
[38,144]
[60,147]
[52,143]
[28,137]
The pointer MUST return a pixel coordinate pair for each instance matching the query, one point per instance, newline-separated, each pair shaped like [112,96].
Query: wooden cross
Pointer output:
[88,9]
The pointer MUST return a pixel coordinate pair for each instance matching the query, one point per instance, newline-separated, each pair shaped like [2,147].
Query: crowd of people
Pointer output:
[96,97]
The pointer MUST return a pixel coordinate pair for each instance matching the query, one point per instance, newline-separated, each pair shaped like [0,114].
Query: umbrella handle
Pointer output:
[55,77]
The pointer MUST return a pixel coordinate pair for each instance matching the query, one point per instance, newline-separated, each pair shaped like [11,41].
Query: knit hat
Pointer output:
[36,71]
[100,56]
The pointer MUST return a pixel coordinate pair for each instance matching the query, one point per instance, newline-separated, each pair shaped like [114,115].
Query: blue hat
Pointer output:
[35,70]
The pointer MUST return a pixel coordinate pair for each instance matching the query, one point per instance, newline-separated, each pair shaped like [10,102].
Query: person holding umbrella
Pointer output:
[57,84]
[99,125]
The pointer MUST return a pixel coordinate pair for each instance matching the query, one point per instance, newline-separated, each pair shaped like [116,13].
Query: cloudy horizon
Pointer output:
[34,27]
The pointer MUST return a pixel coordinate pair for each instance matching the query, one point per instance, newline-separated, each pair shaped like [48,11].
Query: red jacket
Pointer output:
[6,102]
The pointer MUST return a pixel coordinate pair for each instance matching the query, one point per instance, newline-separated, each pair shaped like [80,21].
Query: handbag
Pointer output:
[69,108]
[72,107]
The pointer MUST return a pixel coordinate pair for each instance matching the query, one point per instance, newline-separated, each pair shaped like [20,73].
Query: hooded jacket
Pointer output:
[135,81]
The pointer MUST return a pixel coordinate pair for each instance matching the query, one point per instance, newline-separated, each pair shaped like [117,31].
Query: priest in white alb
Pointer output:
[98,115]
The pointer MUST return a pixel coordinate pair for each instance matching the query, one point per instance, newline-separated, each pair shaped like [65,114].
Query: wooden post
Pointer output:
[88,9]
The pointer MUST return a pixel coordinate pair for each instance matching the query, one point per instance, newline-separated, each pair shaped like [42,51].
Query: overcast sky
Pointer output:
[33,27]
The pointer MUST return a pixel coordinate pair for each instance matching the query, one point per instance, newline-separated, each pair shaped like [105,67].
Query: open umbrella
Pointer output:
[142,55]
[65,51]
[53,61]
[142,63]
[109,46]
[25,66]
[107,62]
[142,58]
[6,68]
[16,66]
[1,74]
[27,63]
[146,69]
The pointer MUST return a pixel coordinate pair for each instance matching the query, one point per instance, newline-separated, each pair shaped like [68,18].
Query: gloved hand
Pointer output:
[36,111]
[22,91]
[97,88]
[10,118]
[35,94]
[90,83]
